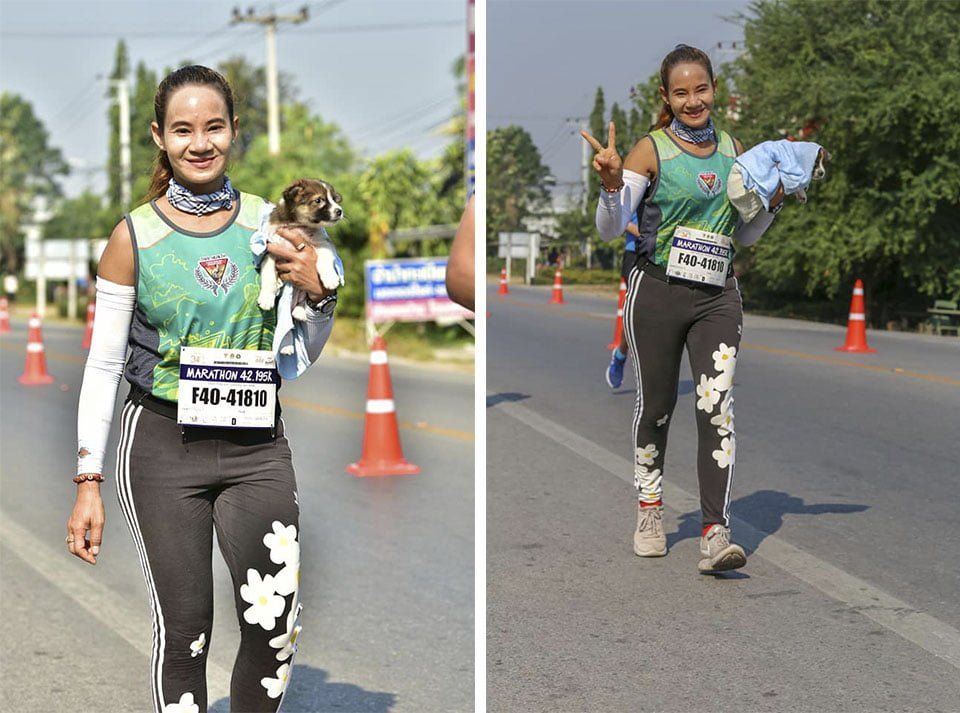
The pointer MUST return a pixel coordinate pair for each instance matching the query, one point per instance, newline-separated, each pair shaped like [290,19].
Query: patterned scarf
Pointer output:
[694,136]
[184,199]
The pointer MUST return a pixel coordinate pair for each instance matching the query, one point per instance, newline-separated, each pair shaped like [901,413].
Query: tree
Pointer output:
[82,217]
[451,166]
[518,180]
[249,85]
[142,149]
[29,168]
[309,147]
[397,192]
[867,80]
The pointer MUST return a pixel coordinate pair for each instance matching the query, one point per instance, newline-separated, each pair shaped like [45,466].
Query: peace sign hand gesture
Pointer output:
[607,162]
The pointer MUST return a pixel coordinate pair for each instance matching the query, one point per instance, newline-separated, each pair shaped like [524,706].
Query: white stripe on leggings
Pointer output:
[636,275]
[131,416]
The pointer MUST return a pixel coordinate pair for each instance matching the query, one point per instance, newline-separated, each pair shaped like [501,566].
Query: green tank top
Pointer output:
[195,290]
[690,191]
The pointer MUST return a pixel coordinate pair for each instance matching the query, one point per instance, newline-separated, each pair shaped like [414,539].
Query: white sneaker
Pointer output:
[719,554]
[649,540]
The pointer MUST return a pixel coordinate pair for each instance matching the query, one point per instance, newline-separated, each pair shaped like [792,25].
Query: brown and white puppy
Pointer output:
[307,206]
[818,174]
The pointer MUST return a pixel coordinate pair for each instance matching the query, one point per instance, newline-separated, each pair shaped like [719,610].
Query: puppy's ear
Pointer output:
[336,196]
[293,192]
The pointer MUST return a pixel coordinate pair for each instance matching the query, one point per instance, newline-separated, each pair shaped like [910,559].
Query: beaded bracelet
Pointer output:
[612,190]
[96,477]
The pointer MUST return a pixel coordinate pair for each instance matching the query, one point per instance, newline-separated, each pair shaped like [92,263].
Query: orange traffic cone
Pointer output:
[35,370]
[618,327]
[88,334]
[504,290]
[4,316]
[856,324]
[557,297]
[382,454]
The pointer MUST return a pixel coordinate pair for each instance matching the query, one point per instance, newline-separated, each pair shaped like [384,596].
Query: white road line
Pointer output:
[86,591]
[927,632]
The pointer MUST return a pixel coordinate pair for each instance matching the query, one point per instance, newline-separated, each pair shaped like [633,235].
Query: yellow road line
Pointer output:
[359,416]
[895,371]
[294,403]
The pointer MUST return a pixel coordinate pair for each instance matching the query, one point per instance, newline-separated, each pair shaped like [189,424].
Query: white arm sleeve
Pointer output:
[101,376]
[614,210]
[749,233]
[316,331]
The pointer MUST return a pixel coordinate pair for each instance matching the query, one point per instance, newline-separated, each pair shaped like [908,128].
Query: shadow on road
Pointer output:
[311,692]
[764,510]
[494,399]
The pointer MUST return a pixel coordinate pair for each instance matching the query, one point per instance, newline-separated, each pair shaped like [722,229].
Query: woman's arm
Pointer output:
[116,296]
[460,266]
[614,210]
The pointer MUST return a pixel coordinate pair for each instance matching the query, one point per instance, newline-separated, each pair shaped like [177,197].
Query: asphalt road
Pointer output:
[846,499]
[387,563]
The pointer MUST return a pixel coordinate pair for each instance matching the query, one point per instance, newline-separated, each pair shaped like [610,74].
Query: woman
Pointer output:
[681,292]
[178,274]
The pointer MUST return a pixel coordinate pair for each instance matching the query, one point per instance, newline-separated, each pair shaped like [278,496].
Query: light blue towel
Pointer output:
[288,330]
[770,163]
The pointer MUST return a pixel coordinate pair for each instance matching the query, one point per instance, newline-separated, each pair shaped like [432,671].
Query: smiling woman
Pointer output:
[178,283]
[681,293]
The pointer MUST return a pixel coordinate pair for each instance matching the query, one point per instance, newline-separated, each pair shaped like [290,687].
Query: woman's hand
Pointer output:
[87,515]
[607,162]
[298,265]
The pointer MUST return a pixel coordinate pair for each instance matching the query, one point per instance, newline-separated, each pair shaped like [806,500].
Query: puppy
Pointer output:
[308,205]
[818,174]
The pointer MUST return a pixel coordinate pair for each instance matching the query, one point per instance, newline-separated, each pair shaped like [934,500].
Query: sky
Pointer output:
[546,58]
[379,69]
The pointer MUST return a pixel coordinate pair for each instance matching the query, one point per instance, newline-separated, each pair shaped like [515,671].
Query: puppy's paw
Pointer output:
[802,196]
[287,350]
[299,313]
[266,300]
[329,278]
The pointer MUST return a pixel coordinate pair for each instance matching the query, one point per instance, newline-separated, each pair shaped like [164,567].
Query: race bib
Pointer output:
[227,387]
[699,256]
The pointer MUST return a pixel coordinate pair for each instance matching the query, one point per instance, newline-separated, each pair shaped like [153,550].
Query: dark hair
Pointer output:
[679,55]
[193,75]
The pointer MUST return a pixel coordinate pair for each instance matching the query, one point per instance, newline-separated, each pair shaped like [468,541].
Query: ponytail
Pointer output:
[664,119]
[162,173]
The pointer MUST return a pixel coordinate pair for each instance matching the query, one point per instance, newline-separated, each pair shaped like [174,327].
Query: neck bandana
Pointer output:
[184,199]
[693,136]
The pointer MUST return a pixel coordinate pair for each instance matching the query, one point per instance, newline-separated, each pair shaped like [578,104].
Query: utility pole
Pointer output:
[269,23]
[122,87]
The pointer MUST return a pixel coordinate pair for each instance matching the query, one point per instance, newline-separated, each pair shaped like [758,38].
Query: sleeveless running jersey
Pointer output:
[195,290]
[690,191]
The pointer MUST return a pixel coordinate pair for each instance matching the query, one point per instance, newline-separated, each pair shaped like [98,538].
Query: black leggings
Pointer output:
[174,491]
[660,317]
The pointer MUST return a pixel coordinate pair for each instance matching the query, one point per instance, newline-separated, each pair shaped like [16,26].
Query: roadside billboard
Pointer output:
[410,290]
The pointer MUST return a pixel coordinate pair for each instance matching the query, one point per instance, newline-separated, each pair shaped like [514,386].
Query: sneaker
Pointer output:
[615,371]
[719,554]
[649,540]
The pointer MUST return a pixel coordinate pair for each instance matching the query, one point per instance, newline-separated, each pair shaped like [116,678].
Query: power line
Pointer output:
[124,34]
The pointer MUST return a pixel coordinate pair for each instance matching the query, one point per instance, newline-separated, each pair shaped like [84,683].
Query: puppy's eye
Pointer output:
[318,200]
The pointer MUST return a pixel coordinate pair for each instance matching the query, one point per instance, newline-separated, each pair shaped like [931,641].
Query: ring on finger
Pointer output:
[69,540]
[301,246]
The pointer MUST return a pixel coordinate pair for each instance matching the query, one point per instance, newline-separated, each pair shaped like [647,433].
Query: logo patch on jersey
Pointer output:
[216,273]
[710,183]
